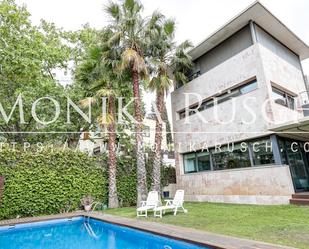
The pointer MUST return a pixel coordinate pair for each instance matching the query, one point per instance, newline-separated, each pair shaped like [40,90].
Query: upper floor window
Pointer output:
[282,98]
[226,95]
[194,75]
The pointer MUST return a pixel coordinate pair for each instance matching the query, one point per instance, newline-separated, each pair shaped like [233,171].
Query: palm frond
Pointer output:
[155,20]
[154,83]
[132,59]
[113,10]
[105,93]
[105,119]
[129,4]
[169,27]
[84,103]
[129,58]
[114,39]
[184,46]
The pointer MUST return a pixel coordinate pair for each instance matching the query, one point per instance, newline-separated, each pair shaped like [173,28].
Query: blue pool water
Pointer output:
[76,234]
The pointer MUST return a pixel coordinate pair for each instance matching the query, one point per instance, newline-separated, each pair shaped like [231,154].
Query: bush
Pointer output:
[48,182]
[126,181]
[168,175]
[54,181]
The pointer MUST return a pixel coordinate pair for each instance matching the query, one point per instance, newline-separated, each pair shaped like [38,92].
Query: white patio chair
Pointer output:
[174,204]
[151,203]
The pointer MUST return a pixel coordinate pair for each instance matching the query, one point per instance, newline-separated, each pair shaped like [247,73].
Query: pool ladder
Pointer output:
[89,229]
[87,223]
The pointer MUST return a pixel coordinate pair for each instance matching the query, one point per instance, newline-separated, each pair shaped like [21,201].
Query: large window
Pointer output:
[231,157]
[282,98]
[190,163]
[242,155]
[197,162]
[262,152]
[225,96]
[203,161]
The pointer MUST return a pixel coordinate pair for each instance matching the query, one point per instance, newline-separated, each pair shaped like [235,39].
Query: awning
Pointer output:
[293,129]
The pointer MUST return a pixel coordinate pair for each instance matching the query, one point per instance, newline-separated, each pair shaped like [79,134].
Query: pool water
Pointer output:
[83,233]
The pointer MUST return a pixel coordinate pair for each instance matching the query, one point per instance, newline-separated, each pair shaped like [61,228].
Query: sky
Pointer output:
[196,19]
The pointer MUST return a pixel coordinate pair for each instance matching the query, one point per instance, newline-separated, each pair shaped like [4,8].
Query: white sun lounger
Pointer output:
[151,203]
[174,204]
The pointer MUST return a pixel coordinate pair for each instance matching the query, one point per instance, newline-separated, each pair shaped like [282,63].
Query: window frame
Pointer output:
[249,151]
[220,98]
[287,97]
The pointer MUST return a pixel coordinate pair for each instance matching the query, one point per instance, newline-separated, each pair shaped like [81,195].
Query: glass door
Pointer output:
[298,165]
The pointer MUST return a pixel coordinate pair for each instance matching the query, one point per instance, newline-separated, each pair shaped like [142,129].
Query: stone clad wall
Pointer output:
[271,64]
[256,185]
[236,70]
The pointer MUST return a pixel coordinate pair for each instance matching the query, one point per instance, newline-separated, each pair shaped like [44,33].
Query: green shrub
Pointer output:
[168,175]
[126,181]
[54,181]
[48,182]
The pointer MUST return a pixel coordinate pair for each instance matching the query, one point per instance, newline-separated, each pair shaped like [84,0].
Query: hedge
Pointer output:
[53,181]
[48,182]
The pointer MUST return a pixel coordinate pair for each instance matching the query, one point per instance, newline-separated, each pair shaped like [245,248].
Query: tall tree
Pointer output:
[98,72]
[168,63]
[128,24]
[28,56]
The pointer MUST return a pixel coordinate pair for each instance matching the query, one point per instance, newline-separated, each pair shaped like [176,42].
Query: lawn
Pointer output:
[285,225]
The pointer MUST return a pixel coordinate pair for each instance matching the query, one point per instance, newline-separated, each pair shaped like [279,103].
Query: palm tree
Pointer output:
[128,27]
[168,63]
[99,71]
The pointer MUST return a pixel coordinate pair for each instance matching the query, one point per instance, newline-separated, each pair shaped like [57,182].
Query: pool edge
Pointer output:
[188,235]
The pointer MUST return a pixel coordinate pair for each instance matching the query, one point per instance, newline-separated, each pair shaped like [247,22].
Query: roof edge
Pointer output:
[256,3]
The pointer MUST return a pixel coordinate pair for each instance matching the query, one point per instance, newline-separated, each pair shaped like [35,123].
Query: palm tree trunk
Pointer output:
[112,163]
[156,173]
[140,157]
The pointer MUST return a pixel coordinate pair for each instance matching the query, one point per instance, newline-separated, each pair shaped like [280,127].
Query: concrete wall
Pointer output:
[256,185]
[227,49]
[282,69]
[267,41]
[171,188]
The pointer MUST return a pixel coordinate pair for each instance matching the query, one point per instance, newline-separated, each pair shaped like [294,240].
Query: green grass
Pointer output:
[286,225]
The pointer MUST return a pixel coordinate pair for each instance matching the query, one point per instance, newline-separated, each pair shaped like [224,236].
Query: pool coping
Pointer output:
[190,235]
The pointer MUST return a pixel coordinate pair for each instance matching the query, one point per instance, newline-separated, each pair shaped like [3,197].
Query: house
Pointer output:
[150,132]
[96,142]
[241,131]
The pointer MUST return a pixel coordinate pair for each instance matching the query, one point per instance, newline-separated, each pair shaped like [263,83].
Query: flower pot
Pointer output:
[87,208]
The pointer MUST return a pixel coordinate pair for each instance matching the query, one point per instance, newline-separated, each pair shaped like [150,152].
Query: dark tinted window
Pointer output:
[246,88]
[283,98]
[203,161]
[262,152]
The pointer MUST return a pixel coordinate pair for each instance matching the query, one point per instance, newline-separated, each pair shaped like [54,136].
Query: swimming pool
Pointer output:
[83,233]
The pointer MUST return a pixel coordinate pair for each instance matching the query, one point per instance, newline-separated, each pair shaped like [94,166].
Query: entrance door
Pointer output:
[298,165]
